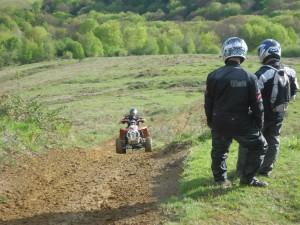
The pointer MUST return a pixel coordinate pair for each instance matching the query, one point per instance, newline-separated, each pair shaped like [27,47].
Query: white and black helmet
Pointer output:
[234,47]
[268,48]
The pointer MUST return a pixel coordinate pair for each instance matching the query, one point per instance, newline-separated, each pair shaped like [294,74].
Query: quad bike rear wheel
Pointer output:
[148,144]
[119,148]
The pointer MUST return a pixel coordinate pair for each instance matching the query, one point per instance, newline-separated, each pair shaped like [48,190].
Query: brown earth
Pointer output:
[90,187]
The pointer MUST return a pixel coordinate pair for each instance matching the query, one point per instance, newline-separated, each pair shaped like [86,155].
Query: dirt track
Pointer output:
[93,187]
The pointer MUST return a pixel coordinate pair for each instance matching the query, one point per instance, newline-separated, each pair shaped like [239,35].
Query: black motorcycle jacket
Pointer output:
[137,118]
[233,104]
[266,75]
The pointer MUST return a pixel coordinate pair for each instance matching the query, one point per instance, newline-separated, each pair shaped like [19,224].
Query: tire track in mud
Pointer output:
[90,187]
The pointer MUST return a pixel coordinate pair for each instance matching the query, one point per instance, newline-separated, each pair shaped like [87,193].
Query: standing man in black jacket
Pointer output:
[278,84]
[234,110]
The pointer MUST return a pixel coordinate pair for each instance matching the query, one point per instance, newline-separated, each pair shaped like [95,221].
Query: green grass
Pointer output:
[3,198]
[202,201]
[96,93]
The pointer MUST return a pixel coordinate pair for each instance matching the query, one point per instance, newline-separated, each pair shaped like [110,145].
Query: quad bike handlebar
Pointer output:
[126,120]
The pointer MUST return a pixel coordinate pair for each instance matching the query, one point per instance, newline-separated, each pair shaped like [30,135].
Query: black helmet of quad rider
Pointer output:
[133,112]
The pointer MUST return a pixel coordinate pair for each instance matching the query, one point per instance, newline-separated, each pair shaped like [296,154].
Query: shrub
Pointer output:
[28,126]
[292,51]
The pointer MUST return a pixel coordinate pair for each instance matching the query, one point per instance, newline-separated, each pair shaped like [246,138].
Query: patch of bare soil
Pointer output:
[90,187]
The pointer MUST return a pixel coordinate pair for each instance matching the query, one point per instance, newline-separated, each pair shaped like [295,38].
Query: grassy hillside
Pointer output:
[98,92]
[95,93]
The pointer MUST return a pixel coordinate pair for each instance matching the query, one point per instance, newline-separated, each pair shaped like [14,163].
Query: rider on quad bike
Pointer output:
[133,136]
[132,116]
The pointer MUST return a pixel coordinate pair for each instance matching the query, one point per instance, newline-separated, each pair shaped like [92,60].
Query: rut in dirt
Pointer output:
[91,187]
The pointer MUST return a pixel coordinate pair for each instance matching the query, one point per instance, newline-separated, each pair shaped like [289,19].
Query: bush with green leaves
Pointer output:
[291,51]
[28,126]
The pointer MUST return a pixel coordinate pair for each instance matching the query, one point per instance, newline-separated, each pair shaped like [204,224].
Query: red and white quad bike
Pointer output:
[133,137]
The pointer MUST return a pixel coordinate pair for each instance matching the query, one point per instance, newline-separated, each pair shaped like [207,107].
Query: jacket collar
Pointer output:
[274,63]
[232,63]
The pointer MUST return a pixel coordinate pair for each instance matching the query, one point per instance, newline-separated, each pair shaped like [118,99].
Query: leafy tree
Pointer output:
[36,6]
[254,34]
[208,43]
[225,30]
[70,48]
[155,16]
[11,50]
[115,6]
[278,32]
[176,37]
[77,50]
[271,5]
[28,51]
[92,46]
[88,25]
[8,22]
[258,29]
[61,16]
[5,34]
[194,28]
[151,47]
[178,14]
[231,9]
[12,43]
[20,15]
[288,20]
[111,37]
[214,11]
[163,43]
[39,35]
[75,47]
[292,35]
[189,46]
[26,29]
[134,37]
[57,32]
[173,4]
[60,47]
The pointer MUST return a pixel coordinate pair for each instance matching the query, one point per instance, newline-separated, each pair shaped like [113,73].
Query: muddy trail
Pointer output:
[90,187]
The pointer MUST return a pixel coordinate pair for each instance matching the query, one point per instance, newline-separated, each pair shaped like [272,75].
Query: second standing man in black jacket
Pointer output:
[278,85]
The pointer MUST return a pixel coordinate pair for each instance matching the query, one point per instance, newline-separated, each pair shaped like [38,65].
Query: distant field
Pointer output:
[97,92]
[16,3]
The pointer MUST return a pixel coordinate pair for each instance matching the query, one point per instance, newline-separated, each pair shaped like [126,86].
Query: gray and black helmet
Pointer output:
[234,47]
[133,111]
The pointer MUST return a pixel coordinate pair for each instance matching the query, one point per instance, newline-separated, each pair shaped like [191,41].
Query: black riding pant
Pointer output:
[256,144]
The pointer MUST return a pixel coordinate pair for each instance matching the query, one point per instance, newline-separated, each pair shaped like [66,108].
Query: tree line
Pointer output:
[48,31]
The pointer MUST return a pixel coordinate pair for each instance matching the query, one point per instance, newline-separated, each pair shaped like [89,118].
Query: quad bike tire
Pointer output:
[148,144]
[119,148]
